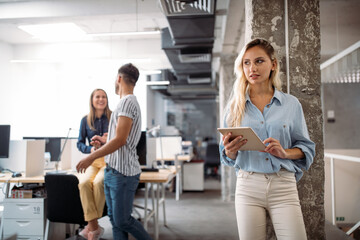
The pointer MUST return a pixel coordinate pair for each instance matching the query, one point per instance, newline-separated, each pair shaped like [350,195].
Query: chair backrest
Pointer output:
[63,199]
[212,156]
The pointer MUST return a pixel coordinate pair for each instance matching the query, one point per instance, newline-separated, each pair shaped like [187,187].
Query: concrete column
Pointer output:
[226,81]
[268,20]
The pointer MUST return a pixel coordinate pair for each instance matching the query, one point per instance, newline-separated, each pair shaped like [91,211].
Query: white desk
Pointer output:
[149,178]
[159,179]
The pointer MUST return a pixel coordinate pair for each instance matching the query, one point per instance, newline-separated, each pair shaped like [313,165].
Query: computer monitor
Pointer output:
[141,148]
[52,146]
[4,141]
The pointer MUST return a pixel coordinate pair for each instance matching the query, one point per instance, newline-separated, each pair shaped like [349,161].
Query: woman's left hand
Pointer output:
[275,148]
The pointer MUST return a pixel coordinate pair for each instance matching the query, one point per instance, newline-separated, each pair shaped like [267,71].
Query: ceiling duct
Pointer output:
[195,55]
[199,78]
[173,53]
[188,44]
[195,58]
[187,7]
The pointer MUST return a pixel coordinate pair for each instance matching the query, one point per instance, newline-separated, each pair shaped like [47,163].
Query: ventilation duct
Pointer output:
[190,54]
[183,7]
[195,58]
[188,44]
[204,78]
[198,80]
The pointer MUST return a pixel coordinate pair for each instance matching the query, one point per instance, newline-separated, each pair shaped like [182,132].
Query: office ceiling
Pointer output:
[193,39]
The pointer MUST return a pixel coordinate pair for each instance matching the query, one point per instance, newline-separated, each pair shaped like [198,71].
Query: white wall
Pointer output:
[156,114]
[347,188]
[5,76]
[344,100]
[47,98]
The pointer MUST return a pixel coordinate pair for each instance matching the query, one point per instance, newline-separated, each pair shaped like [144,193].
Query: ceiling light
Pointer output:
[153,83]
[124,34]
[64,60]
[150,72]
[55,32]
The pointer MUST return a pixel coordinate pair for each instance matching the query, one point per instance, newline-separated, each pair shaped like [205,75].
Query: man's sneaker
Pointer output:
[85,232]
[96,235]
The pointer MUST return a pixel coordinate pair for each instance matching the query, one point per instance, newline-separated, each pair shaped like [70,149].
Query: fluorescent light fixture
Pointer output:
[157,83]
[150,72]
[124,34]
[55,32]
[60,32]
[62,60]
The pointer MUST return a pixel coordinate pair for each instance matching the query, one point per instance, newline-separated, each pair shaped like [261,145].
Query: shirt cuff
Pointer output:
[227,159]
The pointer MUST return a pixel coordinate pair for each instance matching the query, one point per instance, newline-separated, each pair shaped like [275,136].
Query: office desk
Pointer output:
[179,160]
[149,178]
[158,179]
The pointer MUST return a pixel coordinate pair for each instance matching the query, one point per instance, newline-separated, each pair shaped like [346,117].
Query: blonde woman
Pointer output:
[266,181]
[91,183]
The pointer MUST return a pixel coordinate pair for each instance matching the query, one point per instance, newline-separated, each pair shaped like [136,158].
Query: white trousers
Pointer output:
[276,193]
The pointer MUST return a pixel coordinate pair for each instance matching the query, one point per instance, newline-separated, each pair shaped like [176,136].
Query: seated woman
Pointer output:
[91,183]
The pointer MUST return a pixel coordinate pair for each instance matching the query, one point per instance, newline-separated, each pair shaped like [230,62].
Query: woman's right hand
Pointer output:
[232,147]
[101,139]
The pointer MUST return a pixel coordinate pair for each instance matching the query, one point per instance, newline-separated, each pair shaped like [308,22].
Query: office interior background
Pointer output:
[46,83]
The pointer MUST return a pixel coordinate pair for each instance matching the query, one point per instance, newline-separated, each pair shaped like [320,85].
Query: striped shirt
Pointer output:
[125,159]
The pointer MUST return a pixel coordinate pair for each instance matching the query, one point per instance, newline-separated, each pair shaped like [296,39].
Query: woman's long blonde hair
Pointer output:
[91,116]
[236,104]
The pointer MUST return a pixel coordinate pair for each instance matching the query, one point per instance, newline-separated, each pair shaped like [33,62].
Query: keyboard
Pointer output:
[149,170]
[57,172]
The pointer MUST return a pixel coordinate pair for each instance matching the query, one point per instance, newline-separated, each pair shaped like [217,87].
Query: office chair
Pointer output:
[212,159]
[63,200]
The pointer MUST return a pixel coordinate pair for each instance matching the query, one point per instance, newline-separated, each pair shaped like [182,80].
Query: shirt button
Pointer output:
[266,159]
[262,122]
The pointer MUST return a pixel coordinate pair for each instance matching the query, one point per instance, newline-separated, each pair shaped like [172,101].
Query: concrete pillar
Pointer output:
[299,22]
[226,81]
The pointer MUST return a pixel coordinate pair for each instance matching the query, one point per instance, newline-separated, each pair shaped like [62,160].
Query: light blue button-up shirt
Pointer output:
[282,119]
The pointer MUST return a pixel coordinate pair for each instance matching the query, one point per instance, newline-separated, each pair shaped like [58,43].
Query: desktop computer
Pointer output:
[25,156]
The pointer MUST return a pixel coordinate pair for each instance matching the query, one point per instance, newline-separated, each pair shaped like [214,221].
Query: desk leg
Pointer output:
[163,200]
[2,226]
[146,202]
[177,194]
[157,211]
[181,177]
[153,198]
[178,178]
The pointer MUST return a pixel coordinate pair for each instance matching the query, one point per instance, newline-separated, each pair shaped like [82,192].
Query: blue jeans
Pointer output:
[120,193]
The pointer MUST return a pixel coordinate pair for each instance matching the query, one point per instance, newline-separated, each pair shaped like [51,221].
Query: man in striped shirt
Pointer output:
[123,170]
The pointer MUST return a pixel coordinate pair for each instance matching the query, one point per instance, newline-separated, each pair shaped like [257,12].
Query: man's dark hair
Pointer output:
[129,73]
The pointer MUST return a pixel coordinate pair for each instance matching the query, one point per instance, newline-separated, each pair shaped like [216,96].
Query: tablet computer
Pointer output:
[254,143]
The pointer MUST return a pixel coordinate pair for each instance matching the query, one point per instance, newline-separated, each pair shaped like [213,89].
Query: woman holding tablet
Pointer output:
[266,180]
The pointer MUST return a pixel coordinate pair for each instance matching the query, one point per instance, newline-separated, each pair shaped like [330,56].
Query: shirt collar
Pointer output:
[277,95]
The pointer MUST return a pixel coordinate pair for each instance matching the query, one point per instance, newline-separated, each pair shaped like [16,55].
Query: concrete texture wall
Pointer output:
[266,19]
[226,81]
[342,131]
